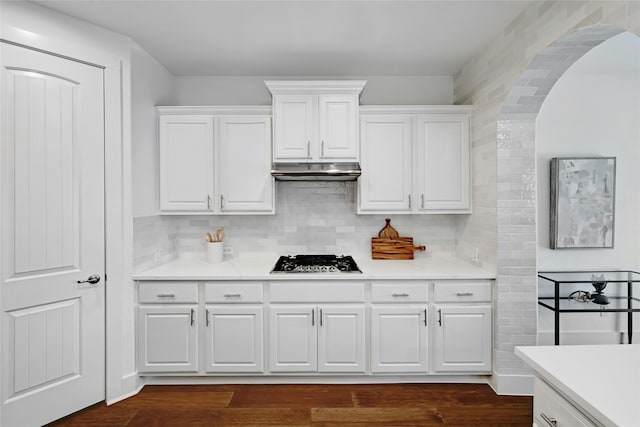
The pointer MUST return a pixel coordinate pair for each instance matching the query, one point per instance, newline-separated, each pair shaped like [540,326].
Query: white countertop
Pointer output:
[604,380]
[258,265]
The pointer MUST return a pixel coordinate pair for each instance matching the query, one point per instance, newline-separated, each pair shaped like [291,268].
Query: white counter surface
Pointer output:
[257,266]
[603,380]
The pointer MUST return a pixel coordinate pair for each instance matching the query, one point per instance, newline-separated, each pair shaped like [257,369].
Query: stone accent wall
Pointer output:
[507,84]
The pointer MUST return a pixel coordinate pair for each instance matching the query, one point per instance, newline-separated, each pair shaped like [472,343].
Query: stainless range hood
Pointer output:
[315,171]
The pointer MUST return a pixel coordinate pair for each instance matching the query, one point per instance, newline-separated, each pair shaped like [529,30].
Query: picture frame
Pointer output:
[582,213]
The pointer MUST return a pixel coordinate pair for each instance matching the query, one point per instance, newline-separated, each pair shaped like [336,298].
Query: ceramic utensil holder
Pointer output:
[214,252]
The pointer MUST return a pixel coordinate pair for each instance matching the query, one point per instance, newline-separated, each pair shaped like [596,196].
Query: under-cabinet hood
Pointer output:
[316,171]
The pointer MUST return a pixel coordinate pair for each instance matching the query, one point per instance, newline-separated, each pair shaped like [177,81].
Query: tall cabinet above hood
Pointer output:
[316,129]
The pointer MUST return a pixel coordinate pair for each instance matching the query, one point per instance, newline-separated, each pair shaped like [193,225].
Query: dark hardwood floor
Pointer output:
[310,405]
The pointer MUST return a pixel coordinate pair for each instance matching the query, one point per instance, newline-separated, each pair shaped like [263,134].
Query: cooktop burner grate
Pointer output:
[316,264]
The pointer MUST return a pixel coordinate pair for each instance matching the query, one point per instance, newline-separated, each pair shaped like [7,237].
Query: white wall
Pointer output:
[593,110]
[251,90]
[591,113]
[152,85]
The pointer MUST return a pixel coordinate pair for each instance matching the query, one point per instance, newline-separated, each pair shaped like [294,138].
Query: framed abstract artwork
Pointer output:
[582,202]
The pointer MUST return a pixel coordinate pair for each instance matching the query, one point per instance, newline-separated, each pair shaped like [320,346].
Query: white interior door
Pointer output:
[52,218]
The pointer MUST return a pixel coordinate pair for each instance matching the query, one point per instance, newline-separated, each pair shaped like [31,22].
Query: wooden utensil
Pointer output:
[208,237]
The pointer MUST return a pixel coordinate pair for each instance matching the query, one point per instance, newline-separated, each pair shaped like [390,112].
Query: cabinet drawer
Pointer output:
[317,292]
[455,291]
[233,292]
[168,292]
[549,405]
[399,292]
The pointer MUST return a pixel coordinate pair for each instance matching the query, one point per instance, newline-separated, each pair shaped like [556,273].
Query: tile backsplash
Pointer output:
[311,217]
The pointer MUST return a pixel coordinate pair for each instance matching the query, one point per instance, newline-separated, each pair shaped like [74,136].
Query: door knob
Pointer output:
[93,279]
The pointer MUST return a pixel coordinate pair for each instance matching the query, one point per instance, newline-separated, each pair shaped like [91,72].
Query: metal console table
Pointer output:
[555,288]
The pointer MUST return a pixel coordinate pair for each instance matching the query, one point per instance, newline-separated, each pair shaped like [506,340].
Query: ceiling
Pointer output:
[303,37]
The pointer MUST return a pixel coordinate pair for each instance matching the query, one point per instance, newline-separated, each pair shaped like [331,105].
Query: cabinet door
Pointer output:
[399,338]
[386,161]
[341,343]
[186,163]
[293,340]
[443,158]
[246,184]
[338,127]
[234,338]
[167,339]
[294,127]
[463,338]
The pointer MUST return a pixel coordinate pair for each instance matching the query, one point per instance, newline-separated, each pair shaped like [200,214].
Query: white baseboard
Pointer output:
[131,385]
[512,385]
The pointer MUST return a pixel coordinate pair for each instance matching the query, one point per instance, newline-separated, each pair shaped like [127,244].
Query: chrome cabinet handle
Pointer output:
[422,201]
[308,149]
[313,317]
[322,149]
[409,201]
[166,295]
[400,295]
[207,317]
[549,420]
[464,294]
[93,279]
[440,317]
[221,201]
[425,317]
[208,202]
[320,317]
[232,295]
[192,313]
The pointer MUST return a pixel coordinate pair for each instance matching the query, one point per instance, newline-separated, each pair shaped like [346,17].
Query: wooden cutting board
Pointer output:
[393,248]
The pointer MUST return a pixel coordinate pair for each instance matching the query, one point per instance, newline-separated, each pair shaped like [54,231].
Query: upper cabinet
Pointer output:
[315,121]
[215,160]
[415,160]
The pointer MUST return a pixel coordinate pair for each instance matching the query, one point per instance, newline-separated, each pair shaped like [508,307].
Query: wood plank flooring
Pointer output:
[348,405]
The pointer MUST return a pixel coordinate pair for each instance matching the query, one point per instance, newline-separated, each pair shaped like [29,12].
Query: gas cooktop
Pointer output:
[316,264]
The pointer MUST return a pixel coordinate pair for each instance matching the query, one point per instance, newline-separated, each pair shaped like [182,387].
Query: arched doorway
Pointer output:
[516,193]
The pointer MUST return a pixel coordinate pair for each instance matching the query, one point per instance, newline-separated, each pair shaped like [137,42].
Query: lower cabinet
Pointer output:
[399,337]
[462,339]
[234,338]
[411,327]
[312,338]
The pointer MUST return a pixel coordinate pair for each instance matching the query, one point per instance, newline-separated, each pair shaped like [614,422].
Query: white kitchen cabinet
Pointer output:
[234,338]
[550,408]
[462,336]
[399,338]
[167,338]
[216,161]
[312,338]
[415,160]
[293,339]
[387,163]
[168,327]
[186,163]
[444,166]
[246,185]
[315,121]
[399,327]
[234,327]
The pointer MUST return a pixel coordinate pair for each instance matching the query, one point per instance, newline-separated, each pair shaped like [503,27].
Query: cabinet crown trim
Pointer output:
[215,110]
[315,86]
[416,109]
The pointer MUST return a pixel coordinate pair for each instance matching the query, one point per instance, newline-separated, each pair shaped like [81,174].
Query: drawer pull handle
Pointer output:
[425,317]
[166,295]
[401,295]
[440,317]
[207,316]
[232,295]
[551,421]
[313,317]
[464,294]
[192,313]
